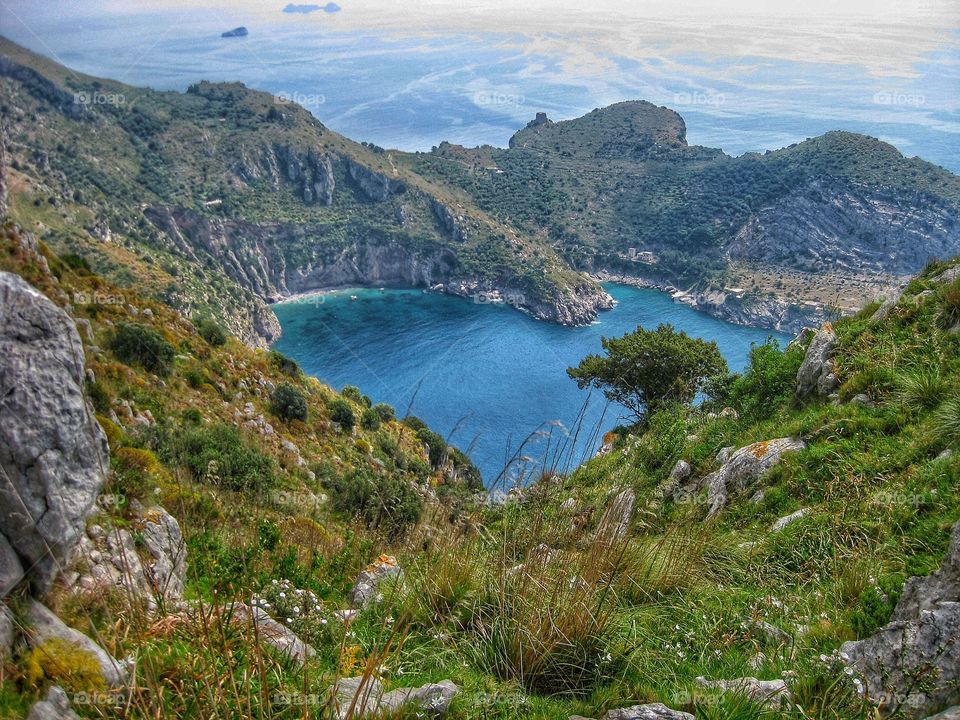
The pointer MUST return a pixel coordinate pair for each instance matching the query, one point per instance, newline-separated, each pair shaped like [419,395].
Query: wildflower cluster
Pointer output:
[300,610]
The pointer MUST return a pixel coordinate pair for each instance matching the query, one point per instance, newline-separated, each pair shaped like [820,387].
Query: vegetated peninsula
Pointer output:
[238,200]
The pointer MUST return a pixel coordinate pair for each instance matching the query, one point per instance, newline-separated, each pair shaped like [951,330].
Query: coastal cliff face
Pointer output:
[259,258]
[825,225]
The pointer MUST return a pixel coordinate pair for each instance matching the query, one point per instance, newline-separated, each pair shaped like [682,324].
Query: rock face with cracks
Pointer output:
[53,454]
[912,664]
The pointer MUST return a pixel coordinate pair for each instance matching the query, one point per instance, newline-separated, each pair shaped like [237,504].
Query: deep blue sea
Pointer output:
[484,376]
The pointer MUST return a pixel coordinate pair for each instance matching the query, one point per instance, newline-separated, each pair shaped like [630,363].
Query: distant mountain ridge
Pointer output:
[223,199]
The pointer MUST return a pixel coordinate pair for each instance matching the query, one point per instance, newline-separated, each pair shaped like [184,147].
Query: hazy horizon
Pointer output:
[750,77]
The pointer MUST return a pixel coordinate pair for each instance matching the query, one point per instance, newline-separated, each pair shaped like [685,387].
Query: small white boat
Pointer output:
[353,297]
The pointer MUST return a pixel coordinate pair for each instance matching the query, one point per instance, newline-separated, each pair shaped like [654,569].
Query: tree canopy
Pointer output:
[647,370]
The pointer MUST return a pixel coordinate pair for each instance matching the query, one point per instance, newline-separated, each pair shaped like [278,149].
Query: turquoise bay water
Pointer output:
[484,376]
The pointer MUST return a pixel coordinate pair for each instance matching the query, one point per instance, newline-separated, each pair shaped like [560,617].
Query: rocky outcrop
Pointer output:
[751,310]
[360,697]
[54,706]
[770,693]
[830,225]
[44,630]
[375,186]
[452,226]
[925,593]
[763,311]
[922,641]
[111,559]
[366,589]
[745,467]
[615,524]
[817,376]
[432,698]
[274,634]
[53,454]
[650,711]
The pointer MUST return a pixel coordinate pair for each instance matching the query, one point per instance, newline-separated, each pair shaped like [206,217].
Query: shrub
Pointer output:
[211,331]
[767,384]
[219,455]
[194,377]
[369,419]
[284,364]
[139,345]
[414,423]
[385,412]
[468,473]
[99,397]
[386,503]
[353,393]
[341,412]
[647,370]
[435,443]
[288,403]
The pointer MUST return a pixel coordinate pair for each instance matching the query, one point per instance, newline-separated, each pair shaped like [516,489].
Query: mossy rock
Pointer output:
[59,662]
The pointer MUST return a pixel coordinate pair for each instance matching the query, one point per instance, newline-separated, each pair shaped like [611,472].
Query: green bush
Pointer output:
[353,393]
[386,412]
[369,419]
[386,503]
[99,397]
[139,345]
[288,403]
[211,331]
[341,412]
[436,444]
[218,455]
[284,364]
[468,473]
[414,423]
[768,383]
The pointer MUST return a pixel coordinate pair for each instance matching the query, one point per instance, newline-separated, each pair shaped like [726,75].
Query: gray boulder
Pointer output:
[53,454]
[681,471]
[365,589]
[164,543]
[789,520]
[54,706]
[923,637]
[745,467]
[883,312]
[8,632]
[651,711]
[948,714]
[769,693]
[942,585]
[274,634]
[889,662]
[615,522]
[356,697]
[817,375]
[433,698]
[43,626]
